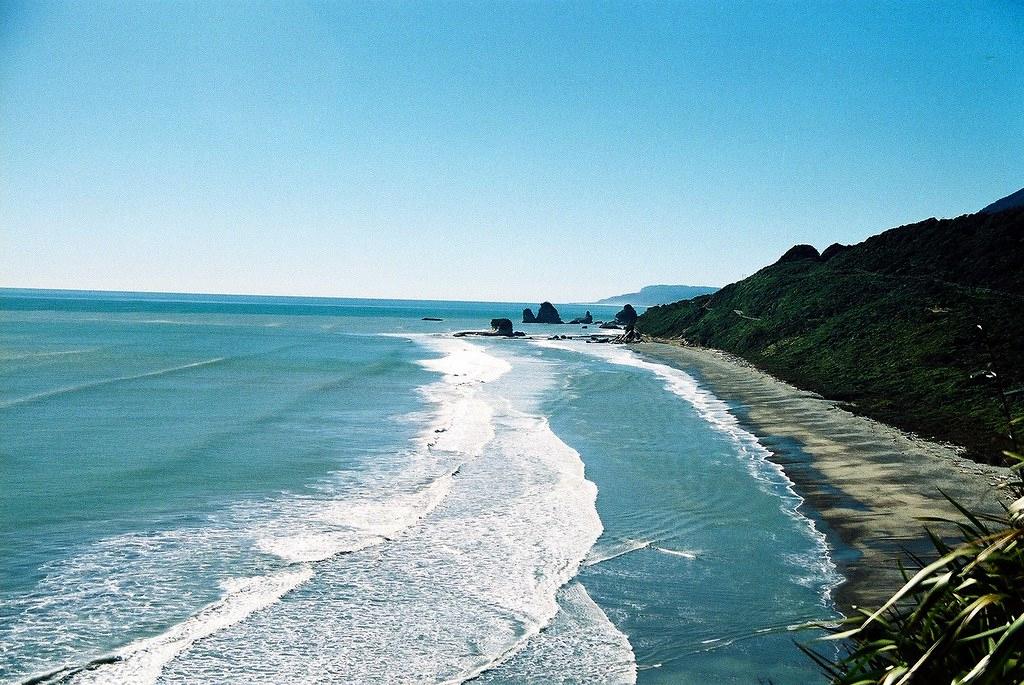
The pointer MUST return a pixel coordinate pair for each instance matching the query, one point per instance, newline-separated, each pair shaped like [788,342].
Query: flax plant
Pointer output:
[957,620]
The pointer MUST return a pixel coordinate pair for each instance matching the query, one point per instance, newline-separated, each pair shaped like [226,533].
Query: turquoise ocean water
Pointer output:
[264,490]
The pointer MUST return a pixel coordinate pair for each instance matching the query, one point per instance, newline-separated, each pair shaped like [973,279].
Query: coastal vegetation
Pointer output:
[958,619]
[918,327]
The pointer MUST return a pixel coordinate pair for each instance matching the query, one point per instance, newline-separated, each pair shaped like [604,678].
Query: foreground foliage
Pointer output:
[957,620]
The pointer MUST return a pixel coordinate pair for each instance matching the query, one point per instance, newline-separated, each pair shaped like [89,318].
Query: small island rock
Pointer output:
[501,327]
[548,314]
[586,318]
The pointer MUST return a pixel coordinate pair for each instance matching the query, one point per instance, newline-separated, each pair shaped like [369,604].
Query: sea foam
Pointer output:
[817,569]
[102,587]
[440,575]
[142,661]
[466,588]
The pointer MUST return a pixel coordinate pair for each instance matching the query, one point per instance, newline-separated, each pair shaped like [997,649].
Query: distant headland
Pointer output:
[651,295]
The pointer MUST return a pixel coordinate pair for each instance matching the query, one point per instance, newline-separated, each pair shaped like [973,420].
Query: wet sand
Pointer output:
[866,484]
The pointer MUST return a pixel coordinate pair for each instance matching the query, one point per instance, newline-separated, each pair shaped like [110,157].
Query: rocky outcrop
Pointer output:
[548,314]
[586,318]
[545,314]
[629,337]
[611,326]
[632,335]
[501,327]
[626,317]
[799,253]
[832,250]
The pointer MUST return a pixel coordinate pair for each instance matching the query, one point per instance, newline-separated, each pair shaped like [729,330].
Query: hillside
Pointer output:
[658,294]
[888,326]
[1011,201]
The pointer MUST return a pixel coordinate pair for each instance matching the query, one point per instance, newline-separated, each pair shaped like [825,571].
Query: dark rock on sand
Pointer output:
[632,335]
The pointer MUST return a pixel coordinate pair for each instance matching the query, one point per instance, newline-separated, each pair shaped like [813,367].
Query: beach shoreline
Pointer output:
[866,484]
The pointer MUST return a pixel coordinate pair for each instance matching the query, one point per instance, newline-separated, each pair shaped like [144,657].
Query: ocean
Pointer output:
[230,489]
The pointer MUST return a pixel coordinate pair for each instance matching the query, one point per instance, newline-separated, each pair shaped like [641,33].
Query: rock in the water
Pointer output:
[431,318]
[611,325]
[586,318]
[627,317]
[548,314]
[501,327]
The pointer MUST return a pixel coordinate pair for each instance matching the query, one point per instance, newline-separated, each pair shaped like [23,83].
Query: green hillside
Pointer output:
[888,326]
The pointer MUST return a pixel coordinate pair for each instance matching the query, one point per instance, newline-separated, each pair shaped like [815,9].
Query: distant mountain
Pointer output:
[1011,201]
[658,294]
[889,325]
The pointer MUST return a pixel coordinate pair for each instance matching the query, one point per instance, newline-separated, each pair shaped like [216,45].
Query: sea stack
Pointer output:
[626,317]
[501,327]
[586,318]
[548,314]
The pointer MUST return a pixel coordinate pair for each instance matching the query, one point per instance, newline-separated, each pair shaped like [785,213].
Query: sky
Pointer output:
[513,151]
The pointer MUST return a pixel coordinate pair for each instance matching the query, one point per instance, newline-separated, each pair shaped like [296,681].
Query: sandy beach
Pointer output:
[866,484]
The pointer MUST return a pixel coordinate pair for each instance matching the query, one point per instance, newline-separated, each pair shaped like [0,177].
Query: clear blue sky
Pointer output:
[511,151]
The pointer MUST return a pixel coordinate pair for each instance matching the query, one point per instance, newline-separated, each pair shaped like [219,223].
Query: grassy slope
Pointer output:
[871,327]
